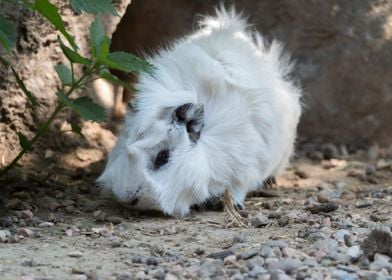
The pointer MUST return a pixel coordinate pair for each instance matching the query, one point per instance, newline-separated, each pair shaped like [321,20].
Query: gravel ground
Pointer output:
[328,217]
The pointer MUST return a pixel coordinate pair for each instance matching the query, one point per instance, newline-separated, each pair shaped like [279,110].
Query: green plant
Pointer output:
[95,66]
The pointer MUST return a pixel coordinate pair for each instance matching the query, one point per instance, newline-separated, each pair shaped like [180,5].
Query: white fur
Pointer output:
[251,111]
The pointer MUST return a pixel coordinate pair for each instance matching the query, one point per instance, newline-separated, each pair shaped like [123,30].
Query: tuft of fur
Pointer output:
[244,132]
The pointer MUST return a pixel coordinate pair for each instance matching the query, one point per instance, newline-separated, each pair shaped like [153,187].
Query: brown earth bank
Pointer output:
[314,224]
[343,51]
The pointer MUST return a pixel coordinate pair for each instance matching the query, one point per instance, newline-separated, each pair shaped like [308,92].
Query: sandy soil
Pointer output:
[60,229]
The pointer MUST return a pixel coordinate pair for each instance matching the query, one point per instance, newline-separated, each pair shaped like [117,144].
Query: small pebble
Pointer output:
[152,261]
[75,254]
[137,259]
[25,232]
[4,235]
[221,254]
[46,224]
[26,214]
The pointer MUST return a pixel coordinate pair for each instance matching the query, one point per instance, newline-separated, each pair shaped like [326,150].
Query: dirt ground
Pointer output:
[54,225]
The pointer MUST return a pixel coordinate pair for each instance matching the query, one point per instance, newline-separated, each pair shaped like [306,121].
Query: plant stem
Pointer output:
[40,132]
[45,126]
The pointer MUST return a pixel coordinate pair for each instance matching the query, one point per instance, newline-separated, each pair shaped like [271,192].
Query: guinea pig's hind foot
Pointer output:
[234,218]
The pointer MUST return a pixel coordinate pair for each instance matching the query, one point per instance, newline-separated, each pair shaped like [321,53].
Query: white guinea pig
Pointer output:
[218,112]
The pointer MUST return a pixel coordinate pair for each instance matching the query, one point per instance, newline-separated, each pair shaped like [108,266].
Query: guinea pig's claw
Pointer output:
[234,218]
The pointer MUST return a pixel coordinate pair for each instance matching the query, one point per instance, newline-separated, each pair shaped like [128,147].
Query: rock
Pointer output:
[4,235]
[323,208]
[115,244]
[328,245]
[279,275]
[140,275]
[339,274]
[301,174]
[236,276]
[340,235]
[26,214]
[221,254]
[158,273]
[25,232]
[284,221]
[170,276]
[259,220]
[137,259]
[267,252]
[249,253]
[293,253]
[152,261]
[54,205]
[381,262]
[256,261]
[257,271]
[230,259]
[114,220]
[13,204]
[353,253]
[239,238]
[287,265]
[199,251]
[79,277]
[46,224]
[210,268]
[277,243]
[125,276]
[75,254]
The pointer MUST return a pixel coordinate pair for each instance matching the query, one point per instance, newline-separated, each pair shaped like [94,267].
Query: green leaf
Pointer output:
[8,34]
[23,141]
[72,55]
[50,12]
[64,74]
[84,106]
[28,93]
[111,78]
[89,110]
[76,128]
[94,6]
[127,62]
[99,42]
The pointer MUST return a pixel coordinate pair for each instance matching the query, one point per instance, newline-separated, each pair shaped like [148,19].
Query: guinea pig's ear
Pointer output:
[192,116]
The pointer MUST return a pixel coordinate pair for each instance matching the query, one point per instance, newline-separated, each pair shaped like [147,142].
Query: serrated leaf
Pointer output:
[89,110]
[112,78]
[8,34]
[127,62]
[64,74]
[94,6]
[23,141]
[28,93]
[84,106]
[99,42]
[51,13]
[76,128]
[72,55]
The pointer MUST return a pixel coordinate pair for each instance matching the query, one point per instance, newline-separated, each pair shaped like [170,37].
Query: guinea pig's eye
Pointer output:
[161,159]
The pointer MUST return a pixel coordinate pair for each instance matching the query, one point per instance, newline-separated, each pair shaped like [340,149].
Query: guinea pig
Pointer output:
[218,112]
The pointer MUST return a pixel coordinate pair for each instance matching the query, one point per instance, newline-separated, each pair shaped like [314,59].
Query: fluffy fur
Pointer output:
[246,131]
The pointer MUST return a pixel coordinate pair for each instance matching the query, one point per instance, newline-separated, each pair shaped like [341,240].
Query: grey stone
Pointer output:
[256,271]
[287,265]
[221,254]
[152,261]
